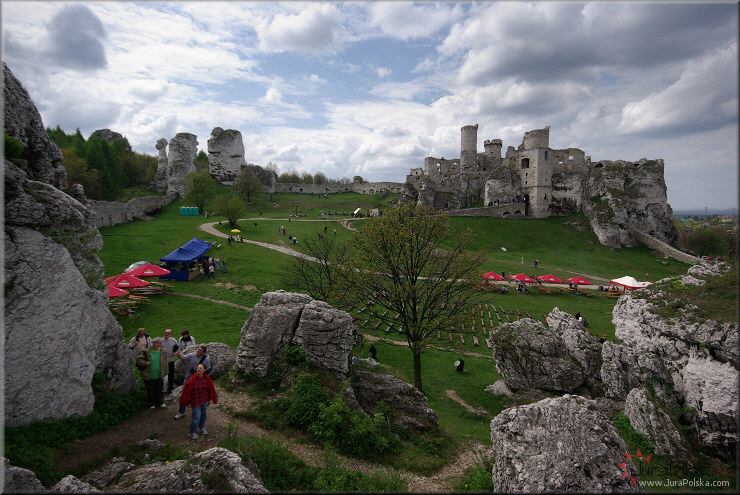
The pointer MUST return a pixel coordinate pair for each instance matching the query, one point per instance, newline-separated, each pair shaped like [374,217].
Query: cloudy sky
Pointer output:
[371,88]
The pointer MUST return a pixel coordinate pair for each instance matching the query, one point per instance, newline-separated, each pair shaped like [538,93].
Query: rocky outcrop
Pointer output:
[106,134]
[687,362]
[501,185]
[222,358]
[107,213]
[647,417]
[581,345]
[41,159]
[225,155]
[408,407]
[160,178]
[563,444]
[626,196]
[499,388]
[181,160]
[265,176]
[19,480]
[55,299]
[282,319]
[529,354]
[70,484]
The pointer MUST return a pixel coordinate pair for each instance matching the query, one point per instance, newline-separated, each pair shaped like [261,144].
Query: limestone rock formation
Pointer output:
[160,177]
[106,134]
[409,407]
[499,388]
[181,160]
[109,474]
[648,418]
[711,388]
[19,480]
[215,469]
[563,444]
[686,361]
[529,354]
[282,319]
[41,159]
[265,176]
[581,345]
[55,299]
[70,484]
[625,196]
[225,155]
[501,185]
[623,369]
[222,358]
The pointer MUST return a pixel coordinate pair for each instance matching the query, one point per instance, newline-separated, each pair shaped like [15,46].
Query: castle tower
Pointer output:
[535,170]
[469,148]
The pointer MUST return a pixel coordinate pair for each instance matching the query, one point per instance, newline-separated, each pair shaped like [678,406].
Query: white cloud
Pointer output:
[383,71]
[704,97]
[316,28]
[405,20]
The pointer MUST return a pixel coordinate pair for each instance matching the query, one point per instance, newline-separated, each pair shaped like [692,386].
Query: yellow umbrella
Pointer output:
[236,230]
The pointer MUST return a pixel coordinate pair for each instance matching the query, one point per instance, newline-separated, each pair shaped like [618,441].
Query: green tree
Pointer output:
[320,178]
[247,184]
[201,161]
[290,176]
[358,178]
[100,155]
[708,242]
[230,207]
[13,147]
[78,173]
[319,273]
[306,178]
[198,187]
[411,263]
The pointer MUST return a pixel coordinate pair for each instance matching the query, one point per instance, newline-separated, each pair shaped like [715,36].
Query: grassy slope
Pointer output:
[252,270]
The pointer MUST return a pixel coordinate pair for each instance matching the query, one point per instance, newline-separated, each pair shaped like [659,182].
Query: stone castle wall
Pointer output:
[665,249]
[358,187]
[107,213]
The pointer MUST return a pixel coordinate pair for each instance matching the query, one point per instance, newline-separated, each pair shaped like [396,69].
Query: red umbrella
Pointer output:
[578,281]
[492,276]
[523,278]
[148,270]
[549,278]
[126,281]
[116,292]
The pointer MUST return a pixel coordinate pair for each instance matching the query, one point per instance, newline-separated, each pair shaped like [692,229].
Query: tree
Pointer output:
[320,178]
[707,241]
[201,161]
[230,207]
[289,177]
[404,262]
[198,187]
[78,173]
[306,178]
[247,184]
[358,179]
[318,274]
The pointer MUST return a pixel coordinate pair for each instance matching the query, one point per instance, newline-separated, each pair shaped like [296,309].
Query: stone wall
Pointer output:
[107,213]
[358,187]
[666,250]
[514,210]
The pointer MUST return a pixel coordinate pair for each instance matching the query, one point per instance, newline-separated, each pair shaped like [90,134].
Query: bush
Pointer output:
[305,406]
[13,148]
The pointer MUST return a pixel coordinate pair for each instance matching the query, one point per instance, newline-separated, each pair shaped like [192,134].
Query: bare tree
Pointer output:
[317,272]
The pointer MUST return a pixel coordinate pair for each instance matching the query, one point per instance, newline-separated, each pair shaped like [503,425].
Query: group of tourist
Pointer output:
[209,266]
[155,360]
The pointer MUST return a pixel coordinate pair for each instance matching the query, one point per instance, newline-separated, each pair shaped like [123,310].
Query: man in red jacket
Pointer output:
[197,393]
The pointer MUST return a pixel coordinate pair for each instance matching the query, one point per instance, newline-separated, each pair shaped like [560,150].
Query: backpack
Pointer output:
[141,367]
[203,358]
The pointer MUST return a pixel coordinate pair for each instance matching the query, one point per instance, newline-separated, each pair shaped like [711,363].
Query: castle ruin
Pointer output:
[536,181]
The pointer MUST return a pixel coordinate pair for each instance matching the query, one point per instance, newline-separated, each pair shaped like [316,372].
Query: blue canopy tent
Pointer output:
[182,257]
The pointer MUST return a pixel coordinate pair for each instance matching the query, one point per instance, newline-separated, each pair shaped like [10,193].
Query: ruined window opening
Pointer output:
[570,157]
[525,162]
[545,154]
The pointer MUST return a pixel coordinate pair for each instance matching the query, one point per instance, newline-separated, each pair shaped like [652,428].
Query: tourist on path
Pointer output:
[185,340]
[153,365]
[169,344]
[193,360]
[140,342]
[197,392]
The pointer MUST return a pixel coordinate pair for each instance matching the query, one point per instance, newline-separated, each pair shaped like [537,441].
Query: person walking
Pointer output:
[373,352]
[193,360]
[217,261]
[197,393]
[169,344]
[223,265]
[212,271]
[153,366]
[522,260]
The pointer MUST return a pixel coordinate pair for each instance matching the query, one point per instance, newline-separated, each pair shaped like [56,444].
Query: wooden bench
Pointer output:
[462,339]
[377,324]
[475,341]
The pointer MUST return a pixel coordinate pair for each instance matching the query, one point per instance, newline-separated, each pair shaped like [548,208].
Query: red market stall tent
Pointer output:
[180,261]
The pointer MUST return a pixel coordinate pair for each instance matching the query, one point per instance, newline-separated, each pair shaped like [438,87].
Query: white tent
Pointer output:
[626,282]
[359,212]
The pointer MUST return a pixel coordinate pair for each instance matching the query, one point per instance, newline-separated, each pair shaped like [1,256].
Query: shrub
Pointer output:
[305,406]
[13,148]
[294,355]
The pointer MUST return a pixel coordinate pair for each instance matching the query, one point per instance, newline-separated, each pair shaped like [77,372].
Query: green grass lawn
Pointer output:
[252,270]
